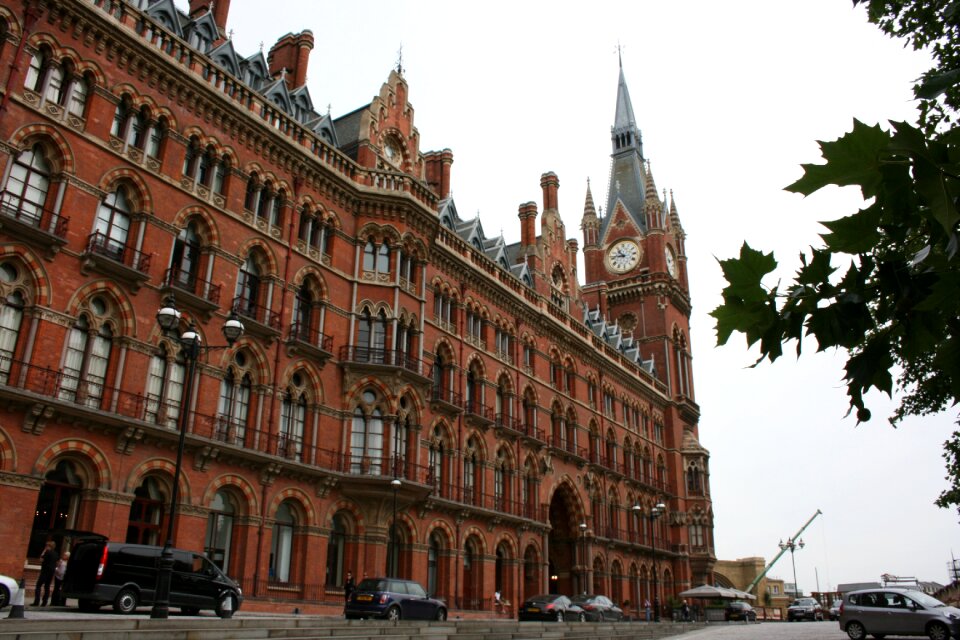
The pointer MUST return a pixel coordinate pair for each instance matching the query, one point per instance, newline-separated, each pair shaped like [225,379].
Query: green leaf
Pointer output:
[744,274]
[854,234]
[853,159]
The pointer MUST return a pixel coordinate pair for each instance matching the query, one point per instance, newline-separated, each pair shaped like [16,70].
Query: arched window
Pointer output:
[113,225]
[165,382]
[248,288]
[694,480]
[146,512]
[435,461]
[11,315]
[58,505]
[251,199]
[471,472]
[400,441]
[366,437]
[85,362]
[219,538]
[281,547]
[185,259]
[234,405]
[155,139]
[336,544]
[25,193]
[434,549]
[501,482]
[293,418]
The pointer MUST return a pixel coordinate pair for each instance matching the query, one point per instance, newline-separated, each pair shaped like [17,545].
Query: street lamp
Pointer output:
[392,560]
[168,317]
[583,555]
[792,544]
[655,512]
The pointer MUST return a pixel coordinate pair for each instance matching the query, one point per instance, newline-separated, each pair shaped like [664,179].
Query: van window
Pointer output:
[203,566]
[137,556]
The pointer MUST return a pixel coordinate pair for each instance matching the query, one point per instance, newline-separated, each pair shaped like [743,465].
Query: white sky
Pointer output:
[730,98]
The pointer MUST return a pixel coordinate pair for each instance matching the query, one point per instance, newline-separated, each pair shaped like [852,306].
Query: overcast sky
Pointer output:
[730,98]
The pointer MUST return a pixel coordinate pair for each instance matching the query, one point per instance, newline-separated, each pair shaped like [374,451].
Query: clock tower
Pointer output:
[634,258]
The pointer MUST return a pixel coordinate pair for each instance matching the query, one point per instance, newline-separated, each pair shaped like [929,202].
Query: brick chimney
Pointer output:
[437,168]
[550,185]
[292,52]
[528,224]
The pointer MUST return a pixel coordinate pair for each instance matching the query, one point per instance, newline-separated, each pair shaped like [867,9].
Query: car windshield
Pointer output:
[582,598]
[372,584]
[924,599]
[544,597]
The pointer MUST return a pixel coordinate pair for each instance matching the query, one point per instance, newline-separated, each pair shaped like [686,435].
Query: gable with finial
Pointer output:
[166,14]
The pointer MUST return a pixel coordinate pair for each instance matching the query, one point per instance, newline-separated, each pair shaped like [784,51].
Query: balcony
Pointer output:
[106,255]
[479,414]
[383,361]
[310,342]
[446,400]
[509,425]
[566,446]
[257,319]
[193,292]
[32,223]
[533,434]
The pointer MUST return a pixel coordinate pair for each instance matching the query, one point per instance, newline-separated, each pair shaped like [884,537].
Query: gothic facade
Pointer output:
[409,396]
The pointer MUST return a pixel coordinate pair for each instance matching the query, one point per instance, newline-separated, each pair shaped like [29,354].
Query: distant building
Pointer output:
[532,421]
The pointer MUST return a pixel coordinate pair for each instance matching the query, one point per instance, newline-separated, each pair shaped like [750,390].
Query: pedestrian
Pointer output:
[58,600]
[685,612]
[348,586]
[48,564]
[646,607]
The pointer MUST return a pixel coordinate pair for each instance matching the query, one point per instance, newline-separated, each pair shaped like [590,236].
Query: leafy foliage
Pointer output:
[885,285]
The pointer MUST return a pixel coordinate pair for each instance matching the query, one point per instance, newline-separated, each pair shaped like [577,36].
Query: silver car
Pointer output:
[897,611]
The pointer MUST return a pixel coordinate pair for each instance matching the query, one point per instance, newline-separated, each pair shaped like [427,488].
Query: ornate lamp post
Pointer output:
[792,544]
[168,317]
[392,560]
[655,512]
[583,555]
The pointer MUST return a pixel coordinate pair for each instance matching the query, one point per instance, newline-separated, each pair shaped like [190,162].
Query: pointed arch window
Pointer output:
[219,538]
[336,546]
[293,417]
[113,224]
[435,460]
[234,406]
[85,363]
[281,546]
[185,259]
[11,317]
[146,512]
[248,288]
[25,193]
[471,469]
[366,438]
[165,382]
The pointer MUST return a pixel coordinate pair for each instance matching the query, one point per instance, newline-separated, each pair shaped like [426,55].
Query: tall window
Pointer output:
[372,336]
[336,544]
[25,193]
[57,83]
[58,505]
[471,471]
[113,224]
[11,316]
[85,364]
[433,563]
[435,457]
[293,416]
[248,287]
[366,437]
[185,259]
[143,525]
[234,405]
[400,439]
[219,537]
[281,547]
[165,380]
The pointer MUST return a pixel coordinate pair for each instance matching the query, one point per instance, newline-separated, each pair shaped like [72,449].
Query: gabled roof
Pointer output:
[226,56]
[613,335]
[323,126]
[276,92]
[255,70]
[301,100]
[205,26]
[164,12]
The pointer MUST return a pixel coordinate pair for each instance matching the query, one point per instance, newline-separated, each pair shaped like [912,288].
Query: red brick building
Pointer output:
[532,421]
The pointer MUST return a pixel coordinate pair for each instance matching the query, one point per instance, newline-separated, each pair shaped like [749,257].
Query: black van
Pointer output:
[125,575]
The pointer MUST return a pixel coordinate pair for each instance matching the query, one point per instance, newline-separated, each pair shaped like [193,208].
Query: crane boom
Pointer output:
[769,566]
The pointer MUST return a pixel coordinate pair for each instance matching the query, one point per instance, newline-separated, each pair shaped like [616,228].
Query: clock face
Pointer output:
[623,256]
[391,150]
[671,261]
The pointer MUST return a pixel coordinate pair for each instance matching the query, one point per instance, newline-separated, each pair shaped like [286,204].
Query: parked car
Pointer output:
[739,610]
[8,590]
[598,608]
[393,599]
[125,575]
[805,609]
[550,606]
[834,611]
[899,612]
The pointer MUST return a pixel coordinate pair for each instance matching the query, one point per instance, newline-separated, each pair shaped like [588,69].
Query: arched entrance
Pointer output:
[567,544]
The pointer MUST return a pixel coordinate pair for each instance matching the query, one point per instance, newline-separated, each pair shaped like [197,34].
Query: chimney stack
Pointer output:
[550,185]
[528,222]
[292,52]
[437,167]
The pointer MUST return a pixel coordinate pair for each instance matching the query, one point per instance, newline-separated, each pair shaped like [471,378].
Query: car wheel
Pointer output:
[393,613]
[4,596]
[441,614]
[856,631]
[559,616]
[126,601]
[938,631]
[583,617]
[226,605]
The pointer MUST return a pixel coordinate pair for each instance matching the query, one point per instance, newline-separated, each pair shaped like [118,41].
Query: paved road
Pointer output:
[768,631]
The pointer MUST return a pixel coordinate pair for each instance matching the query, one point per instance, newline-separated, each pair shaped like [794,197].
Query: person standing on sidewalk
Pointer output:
[57,599]
[48,564]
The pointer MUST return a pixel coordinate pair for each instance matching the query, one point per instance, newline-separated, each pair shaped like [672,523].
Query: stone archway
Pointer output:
[567,545]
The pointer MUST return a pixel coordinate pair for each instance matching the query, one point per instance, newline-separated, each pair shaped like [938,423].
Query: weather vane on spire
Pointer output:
[619,51]
[400,59]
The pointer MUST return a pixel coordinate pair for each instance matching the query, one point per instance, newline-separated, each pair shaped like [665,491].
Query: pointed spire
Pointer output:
[624,116]
[651,189]
[589,210]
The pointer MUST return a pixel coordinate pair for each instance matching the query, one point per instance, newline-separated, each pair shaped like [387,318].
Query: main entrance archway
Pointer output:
[567,550]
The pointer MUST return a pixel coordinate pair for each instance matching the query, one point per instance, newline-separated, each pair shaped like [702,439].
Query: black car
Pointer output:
[598,608]
[393,599]
[805,609]
[739,611]
[125,576]
[550,606]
